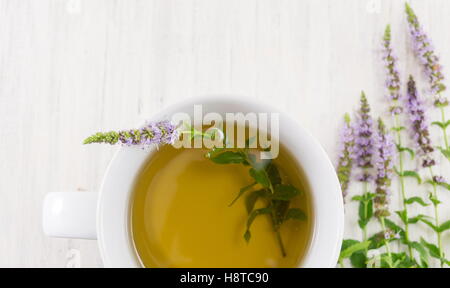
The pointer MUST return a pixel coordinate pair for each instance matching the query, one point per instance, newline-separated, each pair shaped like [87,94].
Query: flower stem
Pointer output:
[402,186]
[436,219]
[444,130]
[364,230]
[386,242]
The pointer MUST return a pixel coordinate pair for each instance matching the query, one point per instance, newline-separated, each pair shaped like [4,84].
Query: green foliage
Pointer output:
[241,192]
[365,210]
[351,246]
[417,200]
[269,186]
[408,173]
[406,149]
[228,157]
[445,152]
[442,125]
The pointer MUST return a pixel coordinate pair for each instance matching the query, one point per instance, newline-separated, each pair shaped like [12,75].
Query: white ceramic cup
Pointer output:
[106,216]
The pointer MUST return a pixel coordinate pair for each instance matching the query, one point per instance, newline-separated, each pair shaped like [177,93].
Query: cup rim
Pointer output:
[113,225]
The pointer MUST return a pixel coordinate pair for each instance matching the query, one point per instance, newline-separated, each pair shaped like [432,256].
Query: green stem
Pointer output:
[402,185]
[341,263]
[386,242]
[444,130]
[364,230]
[280,243]
[436,219]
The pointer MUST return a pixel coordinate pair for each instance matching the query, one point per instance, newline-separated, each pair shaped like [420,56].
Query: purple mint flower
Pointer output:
[345,160]
[385,151]
[392,72]
[158,133]
[439,180]
[427,57]
[419,125]
[363,150]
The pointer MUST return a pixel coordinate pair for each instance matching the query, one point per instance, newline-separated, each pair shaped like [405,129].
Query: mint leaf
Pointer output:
[228,157]
[444,226]
[251,218]
[418,200]
[241,192]
[296,214]
[253,197]
[423,253]
[432,249]
[285,192]
[402,215]
[260,177]
[273,174]
[365,210]
[413,174]
[280,208]
[431,225]
[352,248]
[406,149]
[445,152]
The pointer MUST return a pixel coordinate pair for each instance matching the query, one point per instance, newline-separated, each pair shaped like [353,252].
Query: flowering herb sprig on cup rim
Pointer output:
[421,136]
[154,133]
[345,158]
[433,70]
[363,151]
[385,151]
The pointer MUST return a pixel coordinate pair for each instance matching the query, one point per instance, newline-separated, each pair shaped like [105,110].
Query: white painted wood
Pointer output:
[72,67]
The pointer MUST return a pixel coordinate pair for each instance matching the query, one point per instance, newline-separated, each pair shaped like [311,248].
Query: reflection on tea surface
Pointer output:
[181,215]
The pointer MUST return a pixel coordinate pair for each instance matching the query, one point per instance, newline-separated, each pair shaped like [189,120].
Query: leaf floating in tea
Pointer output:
[274,174]
[252,217]
[260,177]
[296,214]
[285,192]
[251,199]
[228,157]
[241,192]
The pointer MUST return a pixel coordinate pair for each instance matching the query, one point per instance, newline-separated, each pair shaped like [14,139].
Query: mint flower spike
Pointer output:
[385,151]
[419,124]
[345,158]
[392,72]
[363,150]
[433,70]
[153,133]
[430,61]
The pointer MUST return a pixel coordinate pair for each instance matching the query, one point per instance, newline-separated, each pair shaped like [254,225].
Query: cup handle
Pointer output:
[70,215]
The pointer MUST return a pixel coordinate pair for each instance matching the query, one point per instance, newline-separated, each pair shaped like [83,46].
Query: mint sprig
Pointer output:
[267,186]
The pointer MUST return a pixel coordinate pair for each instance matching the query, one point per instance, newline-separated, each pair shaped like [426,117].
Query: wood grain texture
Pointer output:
[71,67]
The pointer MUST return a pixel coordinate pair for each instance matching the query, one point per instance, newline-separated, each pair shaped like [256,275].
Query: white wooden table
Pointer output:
[72,67]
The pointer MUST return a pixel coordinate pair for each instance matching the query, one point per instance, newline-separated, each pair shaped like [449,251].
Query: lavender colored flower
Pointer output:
[364,139]
[385,151]
[419,125]
[439,180]
[430,61]
[345,160]
[162,132]
[392,72]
